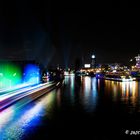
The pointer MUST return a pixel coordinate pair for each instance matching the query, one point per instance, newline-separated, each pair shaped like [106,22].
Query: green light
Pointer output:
[14,74]
[10,75]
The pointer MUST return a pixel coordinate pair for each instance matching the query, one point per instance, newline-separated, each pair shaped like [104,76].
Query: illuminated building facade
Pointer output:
[138,61]
[93,62]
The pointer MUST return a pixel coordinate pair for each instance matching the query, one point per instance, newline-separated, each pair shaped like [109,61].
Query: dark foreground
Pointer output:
[81,108]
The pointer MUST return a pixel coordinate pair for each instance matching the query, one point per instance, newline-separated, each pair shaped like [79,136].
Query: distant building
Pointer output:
[93,61]
[138,61]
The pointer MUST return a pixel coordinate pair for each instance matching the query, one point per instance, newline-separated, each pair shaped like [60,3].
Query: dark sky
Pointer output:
[59,32]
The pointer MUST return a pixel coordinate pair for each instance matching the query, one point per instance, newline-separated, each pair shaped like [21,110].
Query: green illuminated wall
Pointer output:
[10,75]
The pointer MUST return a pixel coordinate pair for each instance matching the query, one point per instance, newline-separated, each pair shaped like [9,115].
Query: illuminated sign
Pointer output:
[87,65]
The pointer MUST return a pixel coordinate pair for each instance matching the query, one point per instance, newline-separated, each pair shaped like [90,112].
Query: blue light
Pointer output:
[31,74]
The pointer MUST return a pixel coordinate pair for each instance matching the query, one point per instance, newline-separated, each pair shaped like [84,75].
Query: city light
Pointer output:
[10,75]
[31,74]
[93,56]
[87,66]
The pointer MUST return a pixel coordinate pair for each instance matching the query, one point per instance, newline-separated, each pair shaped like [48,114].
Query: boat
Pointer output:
[122,78]
[116,77]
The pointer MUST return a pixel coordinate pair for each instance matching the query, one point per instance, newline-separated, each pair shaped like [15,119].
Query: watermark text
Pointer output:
[132,132]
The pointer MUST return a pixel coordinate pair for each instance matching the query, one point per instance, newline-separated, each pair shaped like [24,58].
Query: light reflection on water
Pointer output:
[72,88]
[14,123]
[89,94]
[85,92]
[5,117]
[125,92]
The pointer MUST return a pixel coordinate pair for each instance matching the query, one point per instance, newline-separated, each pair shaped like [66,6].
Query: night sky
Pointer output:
[59,32]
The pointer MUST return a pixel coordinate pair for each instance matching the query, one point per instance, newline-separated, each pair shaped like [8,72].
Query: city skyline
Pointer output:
[69,69]
[35,31]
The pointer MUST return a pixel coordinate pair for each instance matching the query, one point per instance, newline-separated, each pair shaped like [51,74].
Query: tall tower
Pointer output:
[138,61]
[93,61]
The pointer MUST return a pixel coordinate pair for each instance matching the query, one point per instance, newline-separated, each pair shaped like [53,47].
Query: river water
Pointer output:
[83,107]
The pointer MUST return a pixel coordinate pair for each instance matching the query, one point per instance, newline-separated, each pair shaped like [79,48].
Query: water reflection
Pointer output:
[78,94]
[5,117]
[89,94]
[58,97]
[88,90]
[16,122]
[81,91]
[72,88]
[125,92]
